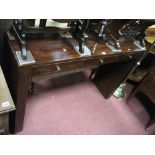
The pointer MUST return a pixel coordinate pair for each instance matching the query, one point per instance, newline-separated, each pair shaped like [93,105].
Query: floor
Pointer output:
[72,105]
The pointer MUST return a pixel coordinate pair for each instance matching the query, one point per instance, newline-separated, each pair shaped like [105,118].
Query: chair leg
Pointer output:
[132,94]
[136,89]
[32,88]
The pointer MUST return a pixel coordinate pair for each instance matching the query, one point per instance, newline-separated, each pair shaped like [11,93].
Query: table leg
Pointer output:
[17,117]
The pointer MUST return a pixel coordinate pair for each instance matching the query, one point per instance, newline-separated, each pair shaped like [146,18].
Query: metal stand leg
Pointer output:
[120,92]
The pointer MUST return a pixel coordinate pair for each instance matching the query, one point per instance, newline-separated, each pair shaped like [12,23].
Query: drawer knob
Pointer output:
[58,68]
[130,56]
[101,60]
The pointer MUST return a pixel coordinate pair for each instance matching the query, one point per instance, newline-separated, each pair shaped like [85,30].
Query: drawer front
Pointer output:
[119,58]
[109,59]
[43,71]
[66,66]
[128,57]
[69,66]
[51,70]
[4,124]
[91,63]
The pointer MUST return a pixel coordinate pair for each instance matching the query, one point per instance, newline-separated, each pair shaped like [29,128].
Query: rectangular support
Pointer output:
[29,60]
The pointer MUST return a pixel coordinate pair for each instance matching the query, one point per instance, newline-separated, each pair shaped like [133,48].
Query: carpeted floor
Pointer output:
[73,105]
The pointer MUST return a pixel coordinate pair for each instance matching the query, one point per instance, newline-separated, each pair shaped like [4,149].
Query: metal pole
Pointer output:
[120,92]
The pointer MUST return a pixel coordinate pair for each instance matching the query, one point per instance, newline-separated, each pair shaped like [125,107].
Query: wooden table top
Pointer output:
[57,49]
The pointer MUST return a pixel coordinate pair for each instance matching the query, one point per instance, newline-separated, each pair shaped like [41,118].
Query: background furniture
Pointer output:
[147,83]
[6,105]
[146,63]
[146,86]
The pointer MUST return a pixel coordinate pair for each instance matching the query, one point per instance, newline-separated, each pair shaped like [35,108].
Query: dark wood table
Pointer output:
[55,57]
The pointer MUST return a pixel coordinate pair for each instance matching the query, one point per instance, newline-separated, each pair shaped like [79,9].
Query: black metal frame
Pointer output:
[78,28]
[21,32]
[135,30]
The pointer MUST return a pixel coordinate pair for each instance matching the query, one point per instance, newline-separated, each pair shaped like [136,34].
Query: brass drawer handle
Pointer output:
[101,60]
[58,68]
[130,56]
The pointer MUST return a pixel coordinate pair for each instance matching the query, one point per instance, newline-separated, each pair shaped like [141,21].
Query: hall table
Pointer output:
[56,57]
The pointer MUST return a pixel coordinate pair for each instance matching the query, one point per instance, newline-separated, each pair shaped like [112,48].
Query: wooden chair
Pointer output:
[146,86]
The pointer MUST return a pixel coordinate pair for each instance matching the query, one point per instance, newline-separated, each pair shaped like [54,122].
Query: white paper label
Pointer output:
[5,104]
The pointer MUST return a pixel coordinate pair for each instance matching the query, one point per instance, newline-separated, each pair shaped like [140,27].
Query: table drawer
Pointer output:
[66,66]
[55,68]
[47,69]
[128,57]
[120,58]
[69,66]
[91,63]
